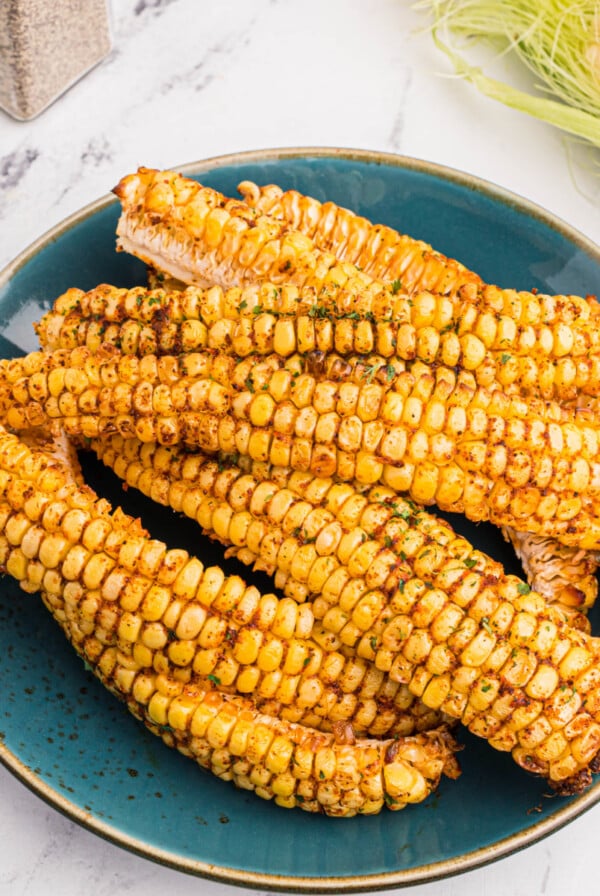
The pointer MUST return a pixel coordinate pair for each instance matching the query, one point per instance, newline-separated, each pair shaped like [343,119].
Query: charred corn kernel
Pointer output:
[181,653]
[426,477]
[169,629]
[531,637]
[344,334]
[576,661]
[247,680]
[191,622]
[437,691]
[247,646]
[429,608]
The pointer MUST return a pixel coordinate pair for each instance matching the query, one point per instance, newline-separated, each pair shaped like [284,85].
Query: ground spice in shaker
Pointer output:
[45,47]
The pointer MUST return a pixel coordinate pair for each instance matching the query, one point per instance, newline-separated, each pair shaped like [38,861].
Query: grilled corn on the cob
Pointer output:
[556,359]
[293,765]
[203,627]
[466,638]
[116,593]
[315,683]
[253,320]
[434,435]
[556,571]
[545,344]
[378,250]
[307,532]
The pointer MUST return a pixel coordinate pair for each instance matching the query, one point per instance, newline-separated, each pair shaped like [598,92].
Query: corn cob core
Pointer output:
[543,346]
[566,575]
[466,639]
[216,225]
[434,434]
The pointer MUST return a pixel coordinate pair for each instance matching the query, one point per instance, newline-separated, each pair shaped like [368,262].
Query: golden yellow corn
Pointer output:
[91,391]
[339,689]
[113,589]
[378,250]
[264,319]
[542,345]
[274,528]
[161,607]
[293,765]
[113,585]
[402,591]
[557,572]
[430,433]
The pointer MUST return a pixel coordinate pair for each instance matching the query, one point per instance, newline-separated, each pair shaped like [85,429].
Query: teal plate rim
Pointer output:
[294,883]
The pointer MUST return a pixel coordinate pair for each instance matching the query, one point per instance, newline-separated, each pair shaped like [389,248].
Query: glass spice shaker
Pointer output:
[45,47]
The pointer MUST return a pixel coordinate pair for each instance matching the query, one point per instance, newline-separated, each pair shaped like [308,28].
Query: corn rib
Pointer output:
[439,617]
[290,764]
[58,538]
[557,572]
[379,251]
[167,614]
[376,249]
[547,345]
[306,532]
[264,319]
[114,586]
[434,435]
[349,691]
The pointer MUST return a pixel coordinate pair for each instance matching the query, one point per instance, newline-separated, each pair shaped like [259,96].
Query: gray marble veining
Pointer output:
[188,79]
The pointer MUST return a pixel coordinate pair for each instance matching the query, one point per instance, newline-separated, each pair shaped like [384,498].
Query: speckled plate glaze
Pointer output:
[76,747]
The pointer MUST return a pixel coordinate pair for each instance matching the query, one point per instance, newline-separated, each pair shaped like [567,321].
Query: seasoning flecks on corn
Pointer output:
[430,433]
[466,638]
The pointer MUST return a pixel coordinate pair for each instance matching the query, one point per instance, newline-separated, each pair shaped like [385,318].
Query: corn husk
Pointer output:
[557,40]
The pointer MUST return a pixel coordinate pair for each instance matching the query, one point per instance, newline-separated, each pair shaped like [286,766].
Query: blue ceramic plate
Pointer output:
[74,745]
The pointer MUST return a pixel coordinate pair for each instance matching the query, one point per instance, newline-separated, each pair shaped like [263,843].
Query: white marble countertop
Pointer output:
[189,79]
